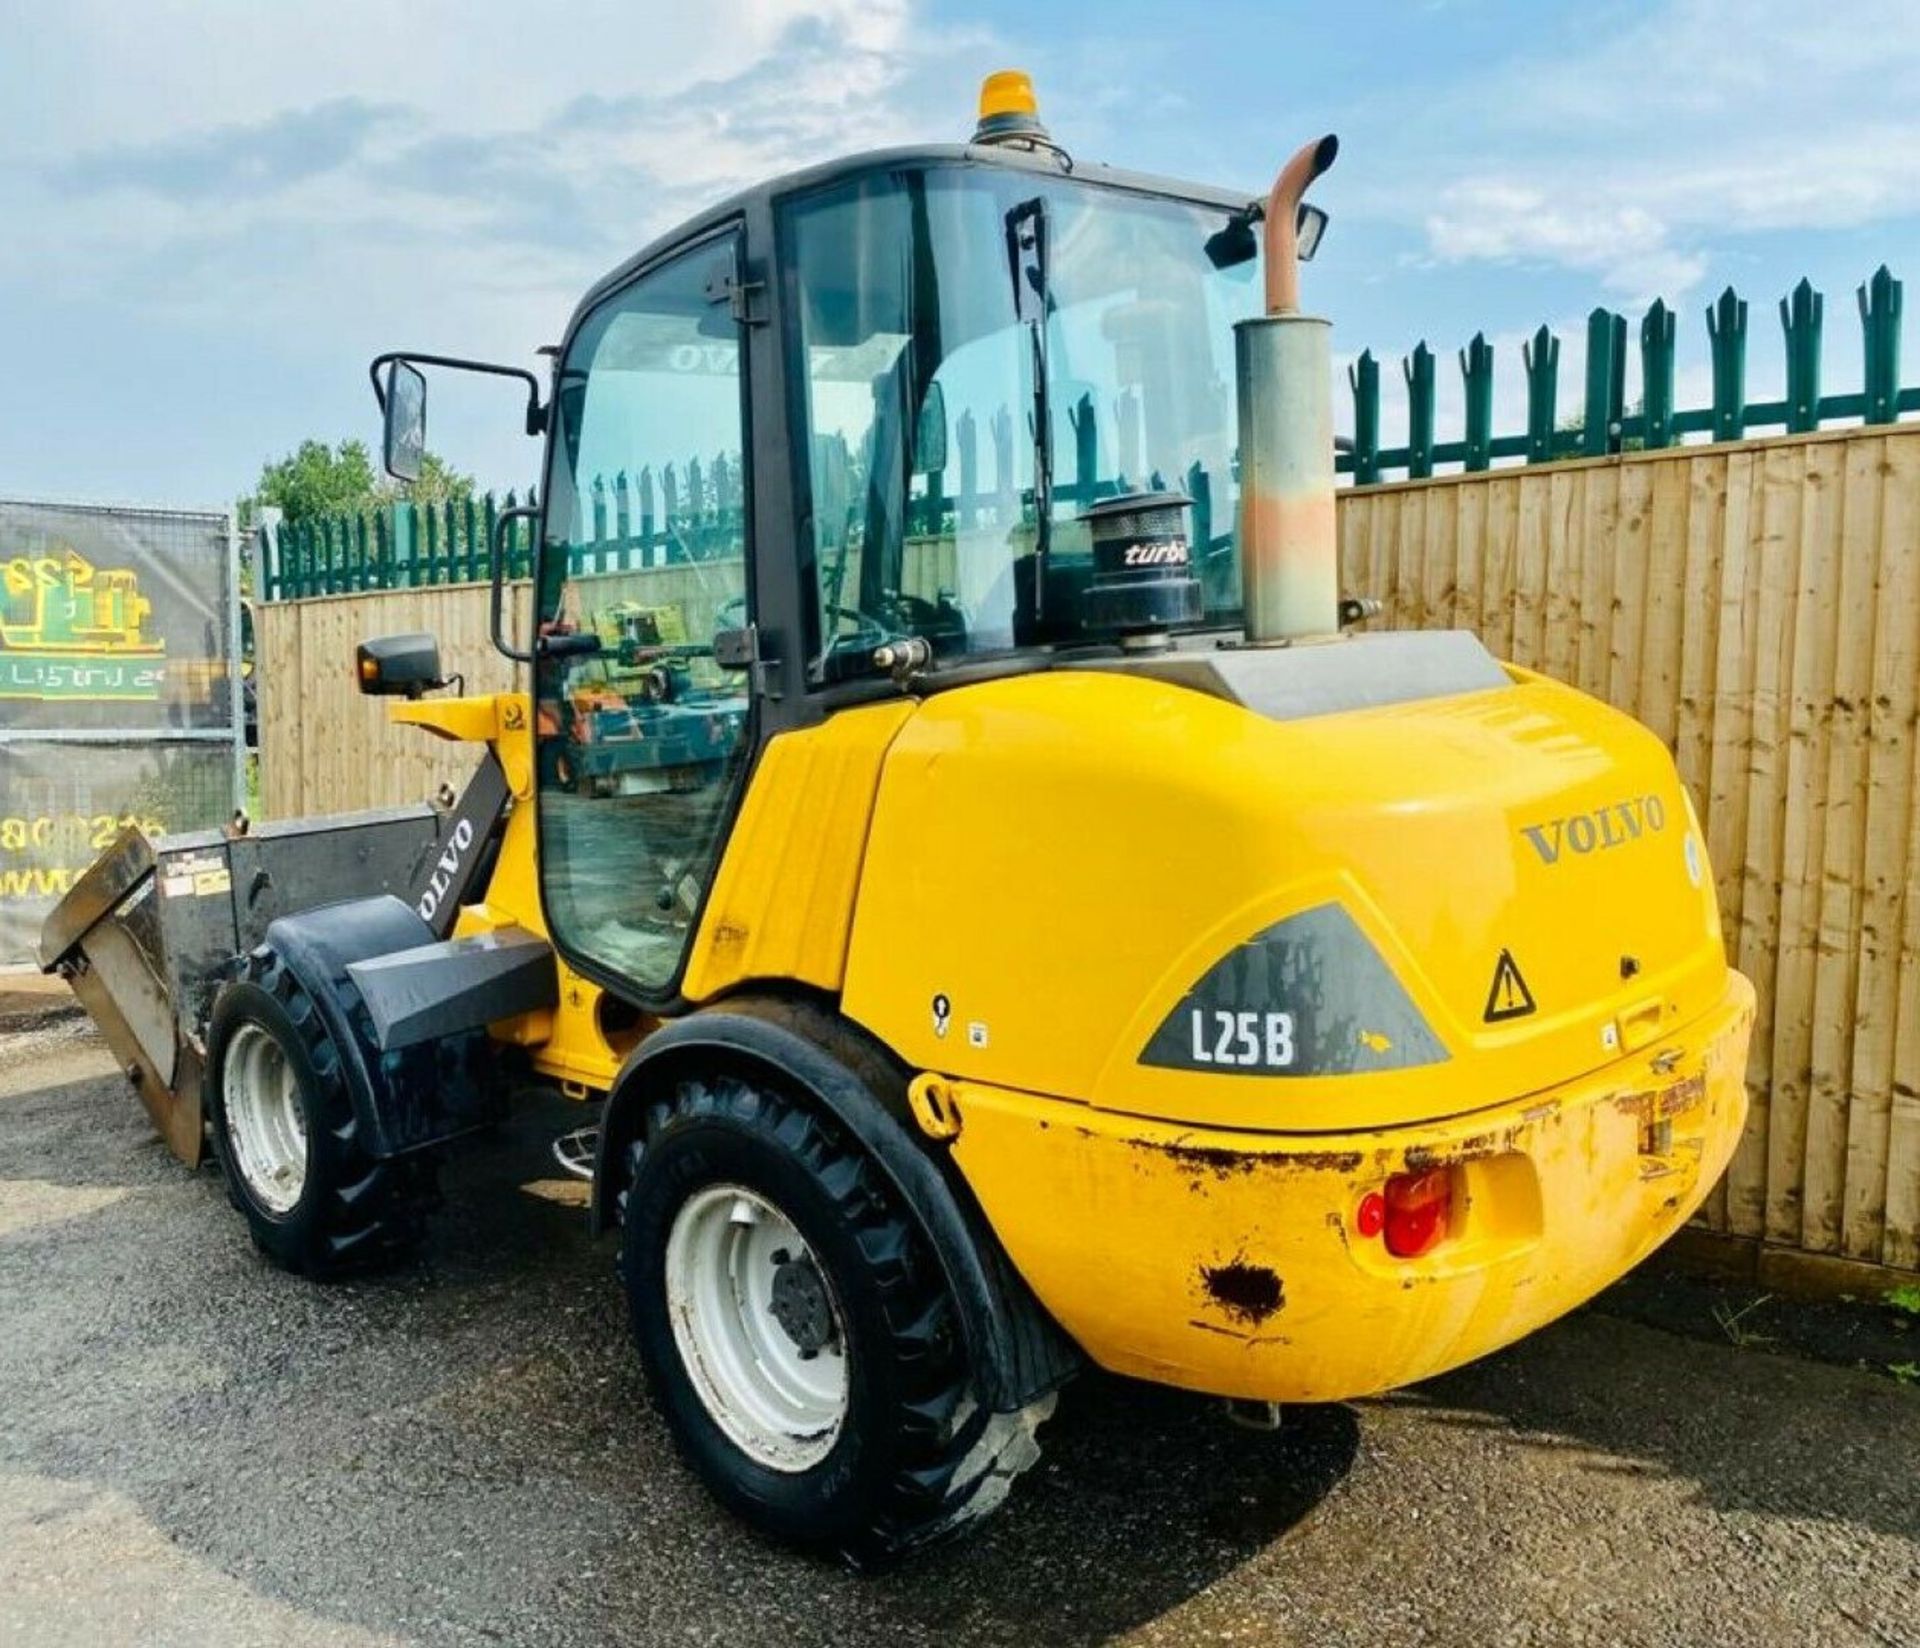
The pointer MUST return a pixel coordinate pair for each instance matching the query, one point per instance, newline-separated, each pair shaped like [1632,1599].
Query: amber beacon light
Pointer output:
[1008,109]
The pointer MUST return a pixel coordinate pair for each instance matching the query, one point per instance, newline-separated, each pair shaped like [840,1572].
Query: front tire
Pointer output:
[286,1137]
[797,1330]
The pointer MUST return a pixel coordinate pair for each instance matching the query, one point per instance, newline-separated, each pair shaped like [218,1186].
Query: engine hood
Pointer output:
[1149,897]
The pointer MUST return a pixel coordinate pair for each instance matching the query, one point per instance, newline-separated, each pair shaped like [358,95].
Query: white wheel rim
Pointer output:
[757,1327]
[266,1125]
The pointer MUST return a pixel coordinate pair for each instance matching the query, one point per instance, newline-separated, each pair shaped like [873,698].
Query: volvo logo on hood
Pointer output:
[1613,825]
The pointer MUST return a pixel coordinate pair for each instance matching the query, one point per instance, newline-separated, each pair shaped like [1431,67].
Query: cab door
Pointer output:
[642,736]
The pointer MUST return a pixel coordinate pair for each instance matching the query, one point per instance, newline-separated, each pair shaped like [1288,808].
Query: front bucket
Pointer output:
[150,932]
[105,938]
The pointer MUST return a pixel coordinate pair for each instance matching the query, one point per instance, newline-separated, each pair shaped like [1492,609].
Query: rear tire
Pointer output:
[287,1140]
[891,1454]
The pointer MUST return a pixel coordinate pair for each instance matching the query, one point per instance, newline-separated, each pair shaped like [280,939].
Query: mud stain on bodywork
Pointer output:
[1204,1162]
[1246,1292]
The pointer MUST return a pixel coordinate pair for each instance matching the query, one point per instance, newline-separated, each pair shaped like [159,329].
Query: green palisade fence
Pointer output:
[1604,422]
[402,546]
[694,511]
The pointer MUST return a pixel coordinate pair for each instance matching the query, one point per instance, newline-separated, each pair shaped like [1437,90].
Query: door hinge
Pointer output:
[746,300]
[739,649]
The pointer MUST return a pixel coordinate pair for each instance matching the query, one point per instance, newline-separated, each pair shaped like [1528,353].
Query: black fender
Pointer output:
[404,1097]
[814,1054]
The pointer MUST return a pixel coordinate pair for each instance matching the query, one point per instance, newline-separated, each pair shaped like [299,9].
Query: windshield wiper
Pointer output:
[1027,263]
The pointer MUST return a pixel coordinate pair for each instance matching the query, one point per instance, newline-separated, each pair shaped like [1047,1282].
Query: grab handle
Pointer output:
[497,554]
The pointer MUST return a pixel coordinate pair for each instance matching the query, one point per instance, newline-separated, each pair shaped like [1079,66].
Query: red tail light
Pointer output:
[1418,1206]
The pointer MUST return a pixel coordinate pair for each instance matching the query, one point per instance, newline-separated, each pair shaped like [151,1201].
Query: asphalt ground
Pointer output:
[197,1449]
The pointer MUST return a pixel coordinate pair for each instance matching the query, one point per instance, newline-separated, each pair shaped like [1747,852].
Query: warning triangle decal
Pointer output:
[1509,998]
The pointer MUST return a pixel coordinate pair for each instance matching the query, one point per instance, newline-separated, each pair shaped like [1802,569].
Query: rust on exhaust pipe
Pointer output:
[1283,221]
[1289,560]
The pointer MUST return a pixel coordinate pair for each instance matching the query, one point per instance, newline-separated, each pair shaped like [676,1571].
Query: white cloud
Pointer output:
[1745,66]
[381,161]
[1630,156]
[91,72]
[290,188]
[1625,244]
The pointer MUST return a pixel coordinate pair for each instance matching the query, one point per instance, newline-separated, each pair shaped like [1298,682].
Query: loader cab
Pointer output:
[868,405]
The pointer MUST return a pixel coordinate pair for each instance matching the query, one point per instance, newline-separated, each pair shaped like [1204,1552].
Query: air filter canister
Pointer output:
[1143,580]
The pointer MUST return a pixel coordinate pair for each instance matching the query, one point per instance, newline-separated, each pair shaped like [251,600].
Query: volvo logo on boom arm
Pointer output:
[441,883]
[444,870]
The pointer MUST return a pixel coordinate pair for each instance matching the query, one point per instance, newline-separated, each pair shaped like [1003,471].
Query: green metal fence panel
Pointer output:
[1727,328]
[471,567]
[437,568]
[1606,383]
[1880,328]
[1604,424]
[1363,376]
[1086,444]
[1418,369]
[1200,490]
[1541,357]
[1801,312]
[1476,374]
[686,510]
[1657,332]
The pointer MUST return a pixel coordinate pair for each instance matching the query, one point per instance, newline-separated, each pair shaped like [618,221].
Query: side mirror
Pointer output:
[398,666]
[1311,224]
[1236,243]
[404,443]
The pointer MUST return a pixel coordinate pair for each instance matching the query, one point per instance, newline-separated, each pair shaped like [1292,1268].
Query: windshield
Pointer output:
[918,374]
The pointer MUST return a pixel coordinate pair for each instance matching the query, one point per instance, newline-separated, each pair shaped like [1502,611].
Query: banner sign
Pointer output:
[113,620]
[61,805]
[116,691]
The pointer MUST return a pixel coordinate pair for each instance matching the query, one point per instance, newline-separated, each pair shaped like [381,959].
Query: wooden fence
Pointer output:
[1756,604]
[324,747]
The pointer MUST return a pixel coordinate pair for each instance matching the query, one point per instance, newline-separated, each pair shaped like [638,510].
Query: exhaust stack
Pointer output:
[1289,554]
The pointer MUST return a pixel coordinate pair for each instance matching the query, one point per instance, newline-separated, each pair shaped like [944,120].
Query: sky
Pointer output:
[216,211]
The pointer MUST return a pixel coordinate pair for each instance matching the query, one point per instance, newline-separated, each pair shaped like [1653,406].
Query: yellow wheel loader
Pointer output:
[1062,937]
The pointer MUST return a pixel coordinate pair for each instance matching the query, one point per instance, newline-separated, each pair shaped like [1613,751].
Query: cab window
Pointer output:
[917,359]
[640,733]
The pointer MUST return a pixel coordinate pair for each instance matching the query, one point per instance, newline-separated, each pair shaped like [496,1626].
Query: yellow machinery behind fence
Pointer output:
[1004,921]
